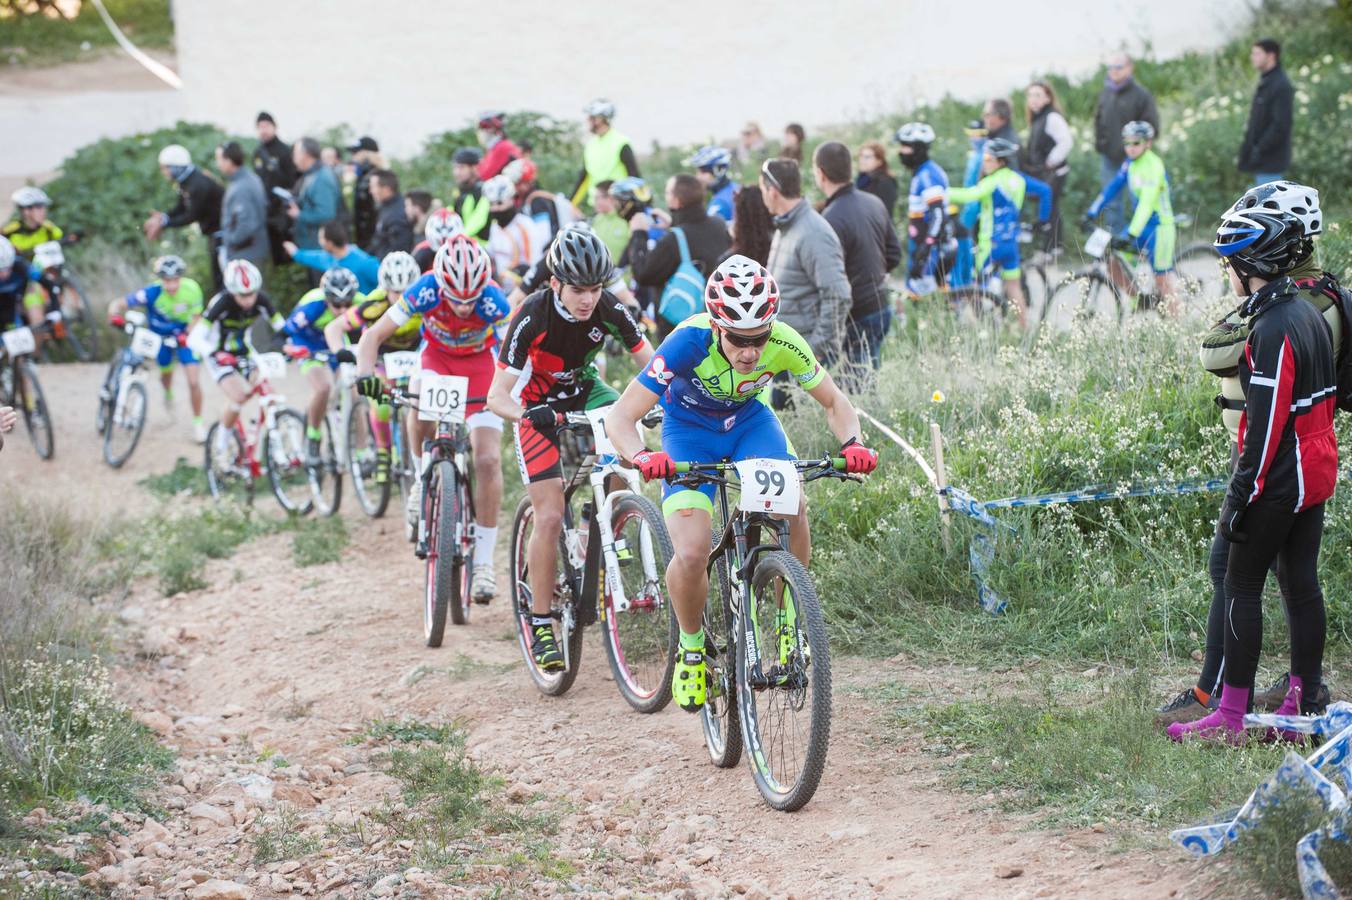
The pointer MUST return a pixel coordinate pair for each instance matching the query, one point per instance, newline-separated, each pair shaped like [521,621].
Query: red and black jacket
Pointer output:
[1287,451]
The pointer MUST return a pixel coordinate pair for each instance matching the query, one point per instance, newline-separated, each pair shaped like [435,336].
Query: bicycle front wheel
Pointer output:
[373,495]
[37,416]
[784,682]
[284,458]
[641,637]
[122,430]
[1202,283]
[227,466]
[722,724]
[326,475]
[1079,299]
[553,683]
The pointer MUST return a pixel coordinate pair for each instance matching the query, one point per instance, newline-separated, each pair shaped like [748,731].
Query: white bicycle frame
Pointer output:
[133,374]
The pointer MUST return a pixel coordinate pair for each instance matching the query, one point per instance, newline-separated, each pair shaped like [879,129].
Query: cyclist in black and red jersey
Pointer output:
[545,369]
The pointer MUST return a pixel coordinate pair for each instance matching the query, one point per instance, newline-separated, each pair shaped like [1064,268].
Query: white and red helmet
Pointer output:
[462,268]
[441,226]
[242,277]
[741,294]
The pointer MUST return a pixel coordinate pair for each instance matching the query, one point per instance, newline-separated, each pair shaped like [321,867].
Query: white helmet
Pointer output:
[915,133]
[498,189]
[398,270]
[741,294]
[28,195]
[7,254]
[1287,197]
[175,156]
[442,225]
[601,108]
[242,277]
[48,255]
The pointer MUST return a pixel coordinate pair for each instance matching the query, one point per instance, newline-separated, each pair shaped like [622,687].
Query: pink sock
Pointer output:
[1226,723]
[1291,702]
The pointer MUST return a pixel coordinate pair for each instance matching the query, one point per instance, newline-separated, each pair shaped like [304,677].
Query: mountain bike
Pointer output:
[361,445]
[1092,293]
[766,612]
[612,559]
[19,388]
[121,415]
[273,442]
[325,472]
[445,528]
[70,314]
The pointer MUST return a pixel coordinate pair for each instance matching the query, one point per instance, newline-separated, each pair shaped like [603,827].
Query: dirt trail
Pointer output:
[276,661]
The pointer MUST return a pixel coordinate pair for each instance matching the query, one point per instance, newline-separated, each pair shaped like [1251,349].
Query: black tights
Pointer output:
[1292,540]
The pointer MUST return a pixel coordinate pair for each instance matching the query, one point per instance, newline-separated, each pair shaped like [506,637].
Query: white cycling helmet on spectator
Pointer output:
[741,294]
[7,254]
[175,156]
[1298,200]
[398,270]
[28,195]
[48,255]
[601,108]
[498,189]
[242,277]
[442,225]
[915,133]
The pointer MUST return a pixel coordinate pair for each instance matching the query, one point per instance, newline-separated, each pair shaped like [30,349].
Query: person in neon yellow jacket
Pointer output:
[607,155]
[1152,230]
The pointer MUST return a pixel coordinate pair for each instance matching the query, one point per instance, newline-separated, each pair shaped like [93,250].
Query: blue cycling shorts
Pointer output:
[1003,259]
[755,434]
[168,353]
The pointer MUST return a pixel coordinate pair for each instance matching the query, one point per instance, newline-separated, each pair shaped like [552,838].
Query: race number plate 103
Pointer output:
[598,422]
[441,398]
[401,364]
[146,343]
[769,486]
[271,366]
[19,341]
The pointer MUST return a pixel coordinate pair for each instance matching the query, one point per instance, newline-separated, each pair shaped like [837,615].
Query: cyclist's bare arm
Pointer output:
[369,345]
[334,331]
[622,421]
[643,354]
[840,413]
[500,399]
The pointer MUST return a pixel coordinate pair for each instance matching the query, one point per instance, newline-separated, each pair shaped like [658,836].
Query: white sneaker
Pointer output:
[413,506]
[483,584]
[199,432]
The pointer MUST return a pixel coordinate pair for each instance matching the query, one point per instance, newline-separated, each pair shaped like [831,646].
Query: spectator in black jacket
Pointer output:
[1266,150]
[871,248]
[393,230]
[996,115]
[707,238]
[1122,100]
[199,201]
[875,177]
[366,159]
[272,161]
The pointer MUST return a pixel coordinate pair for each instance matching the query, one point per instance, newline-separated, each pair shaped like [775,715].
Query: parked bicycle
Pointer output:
[20,388]
[765,638]
[612,559]
[123,401]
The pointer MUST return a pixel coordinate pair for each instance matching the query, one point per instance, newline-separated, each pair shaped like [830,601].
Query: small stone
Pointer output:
[112,875]
[704,855]
[1008,871]
[213,814]
[195,876]
[191,781]
[1197,656]
[156,721]
[279,885]
[158,849]
[1098,828]
[678,834]
[387,885]
[259,787]
[355,768]
[132,615]
[336,881]
[293,794]
[156,642]
[216,889]
[519,793]
[288,867]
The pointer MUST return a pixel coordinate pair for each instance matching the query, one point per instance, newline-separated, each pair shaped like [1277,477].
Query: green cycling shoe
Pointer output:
[690,681]
[545,649]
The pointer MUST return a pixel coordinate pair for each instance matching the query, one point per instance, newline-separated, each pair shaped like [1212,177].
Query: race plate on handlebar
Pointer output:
[271,365]
[1098,243]
[597,417]
[769,486]
[441,398]
[19,341]
[401,364]
[146,343]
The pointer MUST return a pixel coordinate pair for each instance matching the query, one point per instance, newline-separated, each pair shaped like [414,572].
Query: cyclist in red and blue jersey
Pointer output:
[460,305]
[711,376]
[711,168]
[927,208]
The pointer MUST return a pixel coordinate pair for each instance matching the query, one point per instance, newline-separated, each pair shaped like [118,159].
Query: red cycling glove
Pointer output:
[858,458]
[224,359]
[182,338]
[653,464]
[117,321]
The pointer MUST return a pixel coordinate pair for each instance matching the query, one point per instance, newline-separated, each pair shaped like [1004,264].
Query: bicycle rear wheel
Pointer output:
[37,416]
[1203,284]
[1079,299]
[228,471]
[326,477]
[284,458]
[561,605]
[372,496]
[784,682]
[122,430]
[722,724]
[81,329]
[641,639]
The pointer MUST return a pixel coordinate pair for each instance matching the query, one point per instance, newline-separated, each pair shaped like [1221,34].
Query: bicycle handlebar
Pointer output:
[826,467]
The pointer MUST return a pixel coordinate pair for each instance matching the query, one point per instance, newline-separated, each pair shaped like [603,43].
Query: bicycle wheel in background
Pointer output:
[372,496]
[37,415]
[326,476]
[122,430]
[227,468]
[1081,298]
[1036,291]
[641,639]
[1202,283]
[551,683]
[722,724]
[81,329]
[283,452]
[784,683]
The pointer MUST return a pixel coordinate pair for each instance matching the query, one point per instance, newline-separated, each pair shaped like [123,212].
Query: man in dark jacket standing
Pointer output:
[365,160]
[871,249]
[706,237]
[1266,150]
[393,229]
[199,201]
[996,115]
[244,211]
[1122,100]
[272,161]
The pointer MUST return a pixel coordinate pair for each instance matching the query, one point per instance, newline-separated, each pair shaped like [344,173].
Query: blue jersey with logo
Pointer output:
[929,185]
[458,335]
[721,203]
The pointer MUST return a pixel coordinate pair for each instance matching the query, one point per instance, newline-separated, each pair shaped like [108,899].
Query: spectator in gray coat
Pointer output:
[1122,100]
[244,211]
[808,263]
[318,198]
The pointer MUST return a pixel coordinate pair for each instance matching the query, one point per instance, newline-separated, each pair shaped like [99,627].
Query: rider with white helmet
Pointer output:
[708,375]
[30,228]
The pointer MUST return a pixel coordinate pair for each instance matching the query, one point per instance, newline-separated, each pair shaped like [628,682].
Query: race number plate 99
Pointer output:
[271,365]
[769,486]
[441,398]
[19,341]
[402,364]
[145,343]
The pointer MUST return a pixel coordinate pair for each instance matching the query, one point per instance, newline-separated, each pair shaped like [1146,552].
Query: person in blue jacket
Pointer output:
[711,168]
[336,250]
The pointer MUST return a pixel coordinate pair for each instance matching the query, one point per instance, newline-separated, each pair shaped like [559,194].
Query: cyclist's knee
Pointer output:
[487,462]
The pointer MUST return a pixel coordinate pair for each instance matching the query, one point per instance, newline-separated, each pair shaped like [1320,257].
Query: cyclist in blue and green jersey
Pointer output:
[304,328]
[927,208]
[1001,192]
[171,303]
[711,376]
[1152,230]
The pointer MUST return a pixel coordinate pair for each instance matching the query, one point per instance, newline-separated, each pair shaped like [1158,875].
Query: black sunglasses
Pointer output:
[746,341]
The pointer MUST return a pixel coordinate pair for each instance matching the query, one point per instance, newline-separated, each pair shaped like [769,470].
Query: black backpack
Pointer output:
[1328,286]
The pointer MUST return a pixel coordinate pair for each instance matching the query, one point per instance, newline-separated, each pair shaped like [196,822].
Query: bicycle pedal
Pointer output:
[420,550]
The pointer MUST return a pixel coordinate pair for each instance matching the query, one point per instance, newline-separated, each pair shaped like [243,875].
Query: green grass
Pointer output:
[278,837]
[186,542]
[185,479]
[410,731]
[43,40]
[318,540]
[1262,862]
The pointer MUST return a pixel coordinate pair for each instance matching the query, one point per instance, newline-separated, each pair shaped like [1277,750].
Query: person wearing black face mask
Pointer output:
[927,208]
